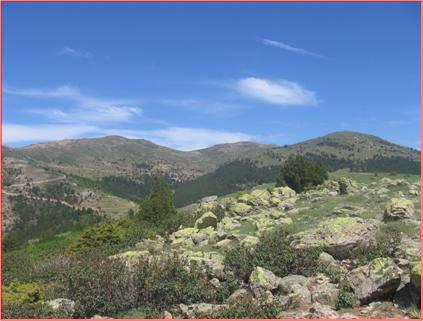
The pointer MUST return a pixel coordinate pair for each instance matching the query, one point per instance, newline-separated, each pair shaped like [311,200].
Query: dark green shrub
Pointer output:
[346,298]
[343,188]
[98,286]
[300,174]
[275,253]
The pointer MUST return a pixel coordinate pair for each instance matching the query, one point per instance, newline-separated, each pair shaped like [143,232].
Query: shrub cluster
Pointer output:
[105,286]
[273,252]
[301,174]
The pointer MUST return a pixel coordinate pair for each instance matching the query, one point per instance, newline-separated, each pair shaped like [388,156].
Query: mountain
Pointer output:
[110,175]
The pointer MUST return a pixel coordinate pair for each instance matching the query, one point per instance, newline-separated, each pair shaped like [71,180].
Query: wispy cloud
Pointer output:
[203,105]
[287,47]
[71,52]
[279,92]
[398,122]
[86,109]
[17,133]
[184,138]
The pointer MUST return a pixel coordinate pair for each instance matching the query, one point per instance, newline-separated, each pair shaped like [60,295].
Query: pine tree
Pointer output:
[158,208]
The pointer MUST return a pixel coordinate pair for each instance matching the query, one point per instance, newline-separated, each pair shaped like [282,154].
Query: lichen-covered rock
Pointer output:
[240,208]
[201,309]
[299,297]
[341,236]
[264,279]
[283,191]
[325,293]
[322,311]
[240,296]
[131,258]
[257,197]
[378,280]
[206,220]
[399,208]
[250,241]
[152,245]
[202,235]
[66,307]
[184,233]
[287,282]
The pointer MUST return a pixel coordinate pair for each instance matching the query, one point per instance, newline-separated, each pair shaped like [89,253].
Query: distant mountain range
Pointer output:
[59,181]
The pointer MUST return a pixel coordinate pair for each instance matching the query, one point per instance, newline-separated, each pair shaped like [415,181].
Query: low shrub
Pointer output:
[98,286]
[28,311]
[162,283]
[275,253]
[246,311]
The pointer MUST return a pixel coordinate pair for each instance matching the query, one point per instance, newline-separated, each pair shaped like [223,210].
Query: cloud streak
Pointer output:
[287,47]
[71,52]
[279,92]
[184,138]
[17,133]
[88,108]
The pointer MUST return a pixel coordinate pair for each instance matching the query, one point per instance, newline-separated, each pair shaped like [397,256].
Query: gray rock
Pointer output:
[65,306]
[206,220]
[398,209]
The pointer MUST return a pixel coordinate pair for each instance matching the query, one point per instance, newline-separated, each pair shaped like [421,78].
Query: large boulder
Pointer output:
[378,280]
[399,208]
[341,236]
[261,278]
[206,220]
[286,283]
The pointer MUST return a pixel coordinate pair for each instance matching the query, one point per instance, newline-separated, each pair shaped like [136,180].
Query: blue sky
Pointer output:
[190,76]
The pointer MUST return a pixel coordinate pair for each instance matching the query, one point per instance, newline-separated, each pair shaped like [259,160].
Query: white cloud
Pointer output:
[68,51]
[15,133]
[284,46]
[184,138]
[280,92]
[87,109]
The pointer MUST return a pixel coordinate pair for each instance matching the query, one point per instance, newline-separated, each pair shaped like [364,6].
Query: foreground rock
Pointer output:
[341,236]
[377,280]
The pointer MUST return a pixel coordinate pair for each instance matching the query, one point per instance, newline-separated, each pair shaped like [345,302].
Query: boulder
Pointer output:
[206,220]
[341,236]
[287,282]
[184,233]
[66,307]
[321,311]
[378,280]
[325,293]
[240,296]
[299,297]
[240,208]
[250,241]
[399,208]
[201,309]
[258,197]
[131,258]
[283,191]
[261,278]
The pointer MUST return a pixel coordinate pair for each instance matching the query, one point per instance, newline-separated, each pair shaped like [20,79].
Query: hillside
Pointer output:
[263,253]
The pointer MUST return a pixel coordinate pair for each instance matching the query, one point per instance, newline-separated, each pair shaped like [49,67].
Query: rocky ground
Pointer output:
[340,225]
